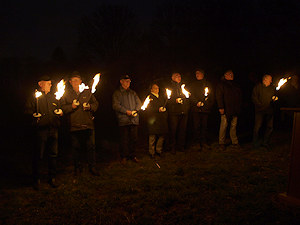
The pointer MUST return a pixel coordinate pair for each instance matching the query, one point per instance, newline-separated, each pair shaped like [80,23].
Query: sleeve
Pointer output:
[116,103]
[220,96]
[66,106]
[94,103]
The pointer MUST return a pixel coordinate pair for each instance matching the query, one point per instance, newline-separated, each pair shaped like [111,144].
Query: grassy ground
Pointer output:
[210,187]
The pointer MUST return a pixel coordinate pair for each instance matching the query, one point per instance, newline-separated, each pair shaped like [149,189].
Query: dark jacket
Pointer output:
[262,98]
[123,100]
[172,106]
[197,95]
[157,121]
[78,118]
[46,105]
[229,97]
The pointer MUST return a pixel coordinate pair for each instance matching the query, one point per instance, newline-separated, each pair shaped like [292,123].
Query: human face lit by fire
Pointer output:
[45,86]
[155,89]
[75,82]
[229,75]
[176,77]
[267,81]
[199,75]
[125,83]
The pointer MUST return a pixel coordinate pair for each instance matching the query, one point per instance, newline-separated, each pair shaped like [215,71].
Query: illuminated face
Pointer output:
[176,77]
[199,75]
[267,80]
[75,82]
[155,89]
[125,83]
[229,75]
[45,85]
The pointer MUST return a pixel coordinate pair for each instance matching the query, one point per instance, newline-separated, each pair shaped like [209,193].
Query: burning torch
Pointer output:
[58,94]
[82,87]
[144,106]
[281,82]
[206,91]
[37,95]
[185,92]
[95,83]
[169,93]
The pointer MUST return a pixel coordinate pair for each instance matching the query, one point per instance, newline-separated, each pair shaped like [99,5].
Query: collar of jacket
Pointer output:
[124,90]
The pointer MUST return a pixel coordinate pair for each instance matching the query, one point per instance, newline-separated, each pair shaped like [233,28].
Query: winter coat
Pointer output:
[78,118]
[229,97]
[46,105]
[262,98]
[157,121]
[123,100]
[172,106]
[197,95]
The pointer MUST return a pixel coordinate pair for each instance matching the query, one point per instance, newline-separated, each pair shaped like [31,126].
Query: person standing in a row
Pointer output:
[126,104]
[229,100]
[201,106]
[178,108]
[157,121]
[46,126]
[81,123]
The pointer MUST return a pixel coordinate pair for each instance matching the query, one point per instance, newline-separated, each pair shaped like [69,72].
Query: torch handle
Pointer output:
[37,105]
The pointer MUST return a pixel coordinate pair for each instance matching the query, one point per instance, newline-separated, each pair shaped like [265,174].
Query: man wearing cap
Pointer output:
[126,103]
[46,123]
[79,108]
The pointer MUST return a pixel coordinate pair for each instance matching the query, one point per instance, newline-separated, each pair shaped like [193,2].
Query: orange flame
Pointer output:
[60,89]
[281,82]
[82,87]
[169,92]
[185,92]
[38,93]
[146,102]
[96,81]
[206,91]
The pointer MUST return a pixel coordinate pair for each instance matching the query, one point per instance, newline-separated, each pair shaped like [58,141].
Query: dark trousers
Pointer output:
[46,143]
[259,119]
[83,144]
[128,140]
[200,127]
[177,126]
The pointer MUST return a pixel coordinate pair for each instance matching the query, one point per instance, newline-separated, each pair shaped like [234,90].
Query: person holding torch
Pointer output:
[46,122]
[79,104]
[202,100]
[263,97]
[126,104]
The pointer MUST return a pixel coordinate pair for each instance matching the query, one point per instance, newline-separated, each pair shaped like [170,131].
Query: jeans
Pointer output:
[46,143]
[83,140]
[259,119]
[128,141]
[200,127]
[156,143]
[232,132]
[177,126]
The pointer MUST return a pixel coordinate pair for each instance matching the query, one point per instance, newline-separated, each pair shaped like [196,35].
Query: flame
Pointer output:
[146,102]
[82,87]
[96,81]
[185,92]
[281,82]
[37,93]
[206,91]
[60,89]
[169,92]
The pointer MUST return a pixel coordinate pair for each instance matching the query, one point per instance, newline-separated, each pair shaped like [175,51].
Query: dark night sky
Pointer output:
[36,28]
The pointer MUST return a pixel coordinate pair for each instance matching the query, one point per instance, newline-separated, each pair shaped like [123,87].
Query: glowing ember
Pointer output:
[185,92]
[60,90]
[146,102]
[169,92]
[96,81]
[38,93]
[281,82]
[82,87]
[206,91]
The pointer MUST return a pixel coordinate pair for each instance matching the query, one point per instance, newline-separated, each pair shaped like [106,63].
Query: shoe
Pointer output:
[236,146]
[222,147]
[36,184]
[135,160]
[94,172]
[53,183]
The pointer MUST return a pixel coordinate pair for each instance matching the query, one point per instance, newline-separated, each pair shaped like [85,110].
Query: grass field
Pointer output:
[209,187]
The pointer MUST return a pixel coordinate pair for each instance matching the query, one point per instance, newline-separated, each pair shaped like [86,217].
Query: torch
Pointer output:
[185,92]
[95,83]
[169,93]
[144,106]
[37,95]
[281,82]
[206,91]
[82,87]
[58,94]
